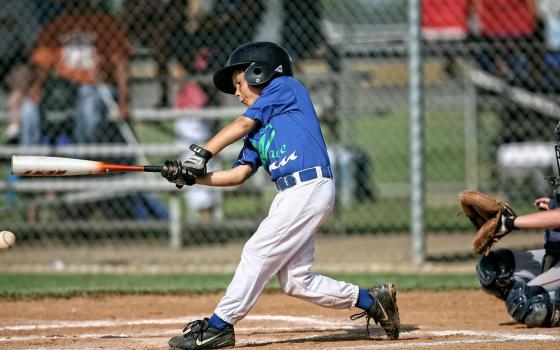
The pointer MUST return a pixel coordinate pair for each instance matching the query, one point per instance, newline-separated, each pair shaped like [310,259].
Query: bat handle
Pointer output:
[153,168]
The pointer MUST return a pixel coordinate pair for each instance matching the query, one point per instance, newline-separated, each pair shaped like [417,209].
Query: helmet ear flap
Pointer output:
[258,73]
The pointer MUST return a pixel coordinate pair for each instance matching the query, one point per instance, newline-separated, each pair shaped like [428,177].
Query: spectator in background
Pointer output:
[203,38]
[509,50]
[507,32]
[201,201]
[18,30]
[47,10]
[197,34]
[83,52]
[550,14]
[204,35]
[301,33]
[446,22]
[296,25]
[149,22]
[187,31]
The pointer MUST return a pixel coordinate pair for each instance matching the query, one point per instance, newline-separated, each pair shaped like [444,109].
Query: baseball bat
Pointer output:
[59,166]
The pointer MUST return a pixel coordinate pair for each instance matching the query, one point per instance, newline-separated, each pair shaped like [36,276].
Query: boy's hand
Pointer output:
[174,172]
[196,164]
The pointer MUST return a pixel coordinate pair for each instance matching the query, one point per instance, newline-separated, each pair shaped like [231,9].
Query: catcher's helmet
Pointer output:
[261,61]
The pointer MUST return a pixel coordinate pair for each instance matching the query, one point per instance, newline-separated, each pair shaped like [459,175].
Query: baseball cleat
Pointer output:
[384,310]
[200,334]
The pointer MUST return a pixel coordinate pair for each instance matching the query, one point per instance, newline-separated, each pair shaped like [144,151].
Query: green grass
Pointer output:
[15,286]
[388,139]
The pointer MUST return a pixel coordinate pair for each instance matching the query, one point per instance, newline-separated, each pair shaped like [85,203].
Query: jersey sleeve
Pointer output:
[268,104]
[248,156]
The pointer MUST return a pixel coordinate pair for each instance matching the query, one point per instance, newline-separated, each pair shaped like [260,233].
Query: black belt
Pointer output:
[298,177]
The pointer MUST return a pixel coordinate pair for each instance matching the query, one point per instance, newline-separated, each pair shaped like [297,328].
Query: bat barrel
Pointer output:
[52,166]
[58,166]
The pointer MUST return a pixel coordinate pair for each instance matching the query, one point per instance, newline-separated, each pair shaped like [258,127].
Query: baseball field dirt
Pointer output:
[442,320]
[460,319]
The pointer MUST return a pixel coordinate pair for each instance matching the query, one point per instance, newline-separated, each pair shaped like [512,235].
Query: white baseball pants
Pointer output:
[284,245]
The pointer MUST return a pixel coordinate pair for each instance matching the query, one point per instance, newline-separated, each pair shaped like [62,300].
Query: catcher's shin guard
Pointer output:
[532,305]
[495,272]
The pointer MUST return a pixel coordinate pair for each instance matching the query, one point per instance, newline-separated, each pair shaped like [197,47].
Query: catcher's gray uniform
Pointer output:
[531,295]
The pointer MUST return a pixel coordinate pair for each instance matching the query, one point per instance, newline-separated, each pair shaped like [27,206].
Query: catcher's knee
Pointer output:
[495,272]
[532,305]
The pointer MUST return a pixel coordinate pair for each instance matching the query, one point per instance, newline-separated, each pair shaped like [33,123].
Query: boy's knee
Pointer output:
[298,283]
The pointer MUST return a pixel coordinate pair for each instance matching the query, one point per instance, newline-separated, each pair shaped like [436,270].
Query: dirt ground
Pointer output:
[443,320]
[435,320]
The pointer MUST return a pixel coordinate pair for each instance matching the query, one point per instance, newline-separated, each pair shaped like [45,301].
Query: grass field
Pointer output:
[34,285]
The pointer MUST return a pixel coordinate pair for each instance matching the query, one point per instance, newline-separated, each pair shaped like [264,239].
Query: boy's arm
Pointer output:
[230,177]
[195,165]
[229,134]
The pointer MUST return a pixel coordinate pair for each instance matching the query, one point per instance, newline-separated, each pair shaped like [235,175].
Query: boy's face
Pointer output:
[246,93]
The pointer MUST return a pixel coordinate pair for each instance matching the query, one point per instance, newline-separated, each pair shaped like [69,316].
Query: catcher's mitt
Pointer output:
[487,215]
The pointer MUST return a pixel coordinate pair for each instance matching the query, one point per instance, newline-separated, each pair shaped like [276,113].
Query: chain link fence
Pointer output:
[71,70]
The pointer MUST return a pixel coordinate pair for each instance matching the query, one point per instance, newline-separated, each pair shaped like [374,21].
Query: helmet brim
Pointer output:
[223,78]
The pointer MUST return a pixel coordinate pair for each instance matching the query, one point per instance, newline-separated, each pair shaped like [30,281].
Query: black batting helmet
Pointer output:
[260,60]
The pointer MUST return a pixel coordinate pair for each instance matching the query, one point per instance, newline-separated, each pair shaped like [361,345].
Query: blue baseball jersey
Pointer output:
[288,137]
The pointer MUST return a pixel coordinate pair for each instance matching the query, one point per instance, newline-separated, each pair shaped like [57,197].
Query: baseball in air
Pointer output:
[7,240]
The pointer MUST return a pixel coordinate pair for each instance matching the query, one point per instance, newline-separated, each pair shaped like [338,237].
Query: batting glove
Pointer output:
[196,164]
[174,172]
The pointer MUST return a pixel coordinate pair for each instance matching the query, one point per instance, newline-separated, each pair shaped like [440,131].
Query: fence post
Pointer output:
[174,220]
[417,186]
[471,135]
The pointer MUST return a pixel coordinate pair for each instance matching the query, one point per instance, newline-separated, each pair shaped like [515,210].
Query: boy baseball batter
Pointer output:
[281,133]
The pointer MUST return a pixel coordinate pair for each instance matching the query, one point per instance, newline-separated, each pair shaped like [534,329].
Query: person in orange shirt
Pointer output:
[88,50]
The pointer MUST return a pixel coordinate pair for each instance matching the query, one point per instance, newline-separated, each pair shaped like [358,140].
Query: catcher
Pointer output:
[528,281]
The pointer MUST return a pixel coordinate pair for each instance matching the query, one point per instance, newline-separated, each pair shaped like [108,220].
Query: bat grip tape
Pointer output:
[153,168]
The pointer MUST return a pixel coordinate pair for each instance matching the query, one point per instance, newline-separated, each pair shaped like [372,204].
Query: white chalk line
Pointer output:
[316,322]
[480,338]
[300,324]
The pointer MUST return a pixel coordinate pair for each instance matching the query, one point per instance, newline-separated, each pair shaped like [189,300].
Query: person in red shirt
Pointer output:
[445,24]
[508,48]
[507,29]
[445,19]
